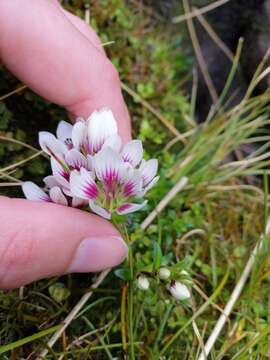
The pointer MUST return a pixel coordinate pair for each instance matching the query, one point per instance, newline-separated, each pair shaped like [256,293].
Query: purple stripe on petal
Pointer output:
[91,190]
[69,144]
[129,208]
[111,176]
[124,207]
[64,174]
[129,189]
[126,158]
[45,199]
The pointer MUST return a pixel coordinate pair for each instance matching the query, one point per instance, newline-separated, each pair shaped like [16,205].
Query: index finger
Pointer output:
[42,47]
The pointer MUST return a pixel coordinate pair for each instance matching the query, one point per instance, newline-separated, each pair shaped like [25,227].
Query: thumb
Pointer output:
[40,240]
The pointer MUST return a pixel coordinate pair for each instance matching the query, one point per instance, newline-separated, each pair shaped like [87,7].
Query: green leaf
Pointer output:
[123,274]
[28,339]
[156,255]
[59,292]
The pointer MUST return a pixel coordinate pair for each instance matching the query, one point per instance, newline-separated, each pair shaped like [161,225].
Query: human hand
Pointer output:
[61,58]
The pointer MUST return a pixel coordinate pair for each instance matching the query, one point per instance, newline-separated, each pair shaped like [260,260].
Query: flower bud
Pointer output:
[143,283]
[184,272]
[164,273]
[179,291]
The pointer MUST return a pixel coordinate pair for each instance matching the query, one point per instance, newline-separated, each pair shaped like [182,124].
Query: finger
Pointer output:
[86,30]
[47,52]
[83,27]
[34,244]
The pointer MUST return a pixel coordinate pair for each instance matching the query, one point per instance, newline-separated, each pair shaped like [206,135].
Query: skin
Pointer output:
[61,58]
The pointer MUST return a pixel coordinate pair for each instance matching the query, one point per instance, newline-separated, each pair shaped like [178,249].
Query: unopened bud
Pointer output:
[143,283]
[164,273]
[179,291]
[184,272]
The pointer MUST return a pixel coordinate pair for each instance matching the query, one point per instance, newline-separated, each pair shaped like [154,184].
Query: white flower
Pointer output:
[164,273]
[89,136]
[118,184]
[35,193]
[179,291]
[143,283]
[55,193]
[52,145]
[90,166]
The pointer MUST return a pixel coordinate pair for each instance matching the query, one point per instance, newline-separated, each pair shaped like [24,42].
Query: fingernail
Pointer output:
[98,253]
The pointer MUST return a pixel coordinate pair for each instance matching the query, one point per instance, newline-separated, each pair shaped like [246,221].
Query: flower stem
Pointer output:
[130,321]
[130,301]
[130,295]
[123,230]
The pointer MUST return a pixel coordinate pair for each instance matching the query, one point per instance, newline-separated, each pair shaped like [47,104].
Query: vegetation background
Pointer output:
[209,228]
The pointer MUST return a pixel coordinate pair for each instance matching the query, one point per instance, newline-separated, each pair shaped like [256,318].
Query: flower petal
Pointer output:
[57,196]
[82,184]
[114,142]
[50,145]
[60,173]
[50,181]
[109,167]
[133,152]
[89,162]
[148,170]
[101,126]
[129,208]
[79,136]
[64,131]
[179,291]
[76,160]
[33,192]
[77,202]
[133,184]
[151,184]
[99,210]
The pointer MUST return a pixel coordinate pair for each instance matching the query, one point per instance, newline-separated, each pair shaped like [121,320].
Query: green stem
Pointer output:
[123,230]
[130,321]
[130,300]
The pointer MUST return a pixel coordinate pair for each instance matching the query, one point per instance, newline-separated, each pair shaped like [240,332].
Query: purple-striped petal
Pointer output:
[82,184]
[129,208]
[148,170]
[151,184]
[50,145]
[80,137]
[99,210]
[77,202]
[64,133]
[57,196]
[109,167]
[60,172]
[133,152]
[101,125]
[76,160]
[50,181]
[33,192]
[132,186]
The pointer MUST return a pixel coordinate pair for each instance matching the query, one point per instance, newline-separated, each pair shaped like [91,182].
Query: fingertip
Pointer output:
[39,240]
[98,253]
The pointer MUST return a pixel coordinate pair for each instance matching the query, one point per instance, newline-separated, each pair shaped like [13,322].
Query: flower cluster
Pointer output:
[176,288]
[90,166]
